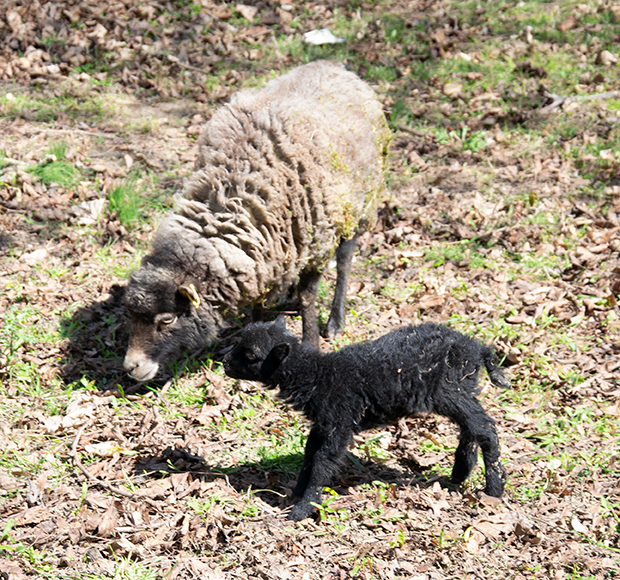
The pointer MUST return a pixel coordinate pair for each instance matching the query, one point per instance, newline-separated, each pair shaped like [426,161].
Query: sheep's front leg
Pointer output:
[313,444]
[344,259]
[326,460]
[309,281]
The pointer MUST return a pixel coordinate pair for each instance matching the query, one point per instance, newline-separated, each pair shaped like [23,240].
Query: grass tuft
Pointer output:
[125,200]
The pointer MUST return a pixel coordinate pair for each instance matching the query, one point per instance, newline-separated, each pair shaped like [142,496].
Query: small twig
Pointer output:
[411,130]
[78,463]
[175,60]
[558,101]
[599,96]
[81,131]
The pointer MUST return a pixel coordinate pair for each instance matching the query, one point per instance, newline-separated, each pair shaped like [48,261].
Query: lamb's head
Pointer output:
[167,315]
[263,348]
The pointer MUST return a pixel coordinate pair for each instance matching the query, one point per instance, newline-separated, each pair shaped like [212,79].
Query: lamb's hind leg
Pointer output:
[478,427]
[307,289]
[344,258]
[465,458]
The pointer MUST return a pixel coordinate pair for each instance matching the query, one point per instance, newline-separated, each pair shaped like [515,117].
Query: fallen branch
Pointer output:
[78,463]
[558,100]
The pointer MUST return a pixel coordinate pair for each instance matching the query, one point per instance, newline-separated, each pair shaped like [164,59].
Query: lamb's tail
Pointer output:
[495,374]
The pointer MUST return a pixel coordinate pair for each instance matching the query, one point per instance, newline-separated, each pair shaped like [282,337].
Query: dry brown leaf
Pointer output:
[8,483]
[32,515]
[107,525]
[577,525]
[606,58]
[248,12]
[453,90]
[431,301]
[528,533]
[568,24]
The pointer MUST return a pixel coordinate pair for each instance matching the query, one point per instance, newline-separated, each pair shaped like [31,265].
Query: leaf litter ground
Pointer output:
[502,221]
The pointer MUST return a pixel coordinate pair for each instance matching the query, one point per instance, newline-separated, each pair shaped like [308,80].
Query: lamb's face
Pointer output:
[261,351]
[164,320]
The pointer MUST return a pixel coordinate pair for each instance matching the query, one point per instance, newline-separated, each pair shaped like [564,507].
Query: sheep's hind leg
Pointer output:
[307,289]
[344,258]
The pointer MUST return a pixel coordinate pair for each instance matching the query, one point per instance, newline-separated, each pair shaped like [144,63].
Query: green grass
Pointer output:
[47,107]
[59,172]
[24,327]
[55,169]
[125,200]
[463,251]
[125,569]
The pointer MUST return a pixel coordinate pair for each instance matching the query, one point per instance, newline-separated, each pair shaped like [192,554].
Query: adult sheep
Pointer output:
[285,176]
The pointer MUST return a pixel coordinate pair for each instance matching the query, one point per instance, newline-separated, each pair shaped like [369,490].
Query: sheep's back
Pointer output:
[283,173]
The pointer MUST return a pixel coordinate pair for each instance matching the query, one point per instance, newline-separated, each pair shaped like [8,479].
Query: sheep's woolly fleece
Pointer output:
[282,174]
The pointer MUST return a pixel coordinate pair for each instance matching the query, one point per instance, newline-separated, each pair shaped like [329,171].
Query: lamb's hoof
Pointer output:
[301,511]
[493,492]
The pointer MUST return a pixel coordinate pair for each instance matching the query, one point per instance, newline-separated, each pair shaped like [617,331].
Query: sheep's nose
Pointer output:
[139,366]
[129,365]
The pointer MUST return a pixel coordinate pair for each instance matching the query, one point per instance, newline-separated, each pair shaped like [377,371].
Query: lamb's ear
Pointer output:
[281,321]
[190,292]
[274,359]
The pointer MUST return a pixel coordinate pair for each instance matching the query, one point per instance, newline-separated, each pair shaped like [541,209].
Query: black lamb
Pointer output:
[415,369]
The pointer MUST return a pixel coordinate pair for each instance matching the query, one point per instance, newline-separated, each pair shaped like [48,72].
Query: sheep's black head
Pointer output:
[263,348]
[165,318]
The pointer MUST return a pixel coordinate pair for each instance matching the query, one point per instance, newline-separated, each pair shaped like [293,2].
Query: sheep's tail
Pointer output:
[495,374]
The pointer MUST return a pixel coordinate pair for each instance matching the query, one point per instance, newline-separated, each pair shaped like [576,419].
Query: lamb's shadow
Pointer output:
[273,480]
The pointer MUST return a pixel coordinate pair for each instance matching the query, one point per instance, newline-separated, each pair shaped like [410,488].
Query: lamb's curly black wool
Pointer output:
[415,369]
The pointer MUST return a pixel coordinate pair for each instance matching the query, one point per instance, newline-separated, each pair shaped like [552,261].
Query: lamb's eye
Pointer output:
[250,356]
[167,319]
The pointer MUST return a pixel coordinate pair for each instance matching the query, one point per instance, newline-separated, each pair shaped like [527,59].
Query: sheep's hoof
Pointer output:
[334,328]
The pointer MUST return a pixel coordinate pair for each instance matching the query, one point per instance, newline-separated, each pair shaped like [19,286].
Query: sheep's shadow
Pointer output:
[273,480]
[95,341]
[95,336]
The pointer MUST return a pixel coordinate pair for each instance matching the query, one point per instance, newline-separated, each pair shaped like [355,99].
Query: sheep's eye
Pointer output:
[167,319]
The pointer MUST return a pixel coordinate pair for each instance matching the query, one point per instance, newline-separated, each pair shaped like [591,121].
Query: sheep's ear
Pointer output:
[274,359]
[281,321]
[190,292]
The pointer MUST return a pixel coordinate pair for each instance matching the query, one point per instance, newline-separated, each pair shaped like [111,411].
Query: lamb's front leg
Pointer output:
[313,444]
[476,428]
[319,470]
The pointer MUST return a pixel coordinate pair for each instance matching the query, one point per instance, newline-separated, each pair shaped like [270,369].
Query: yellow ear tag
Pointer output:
[191,294]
